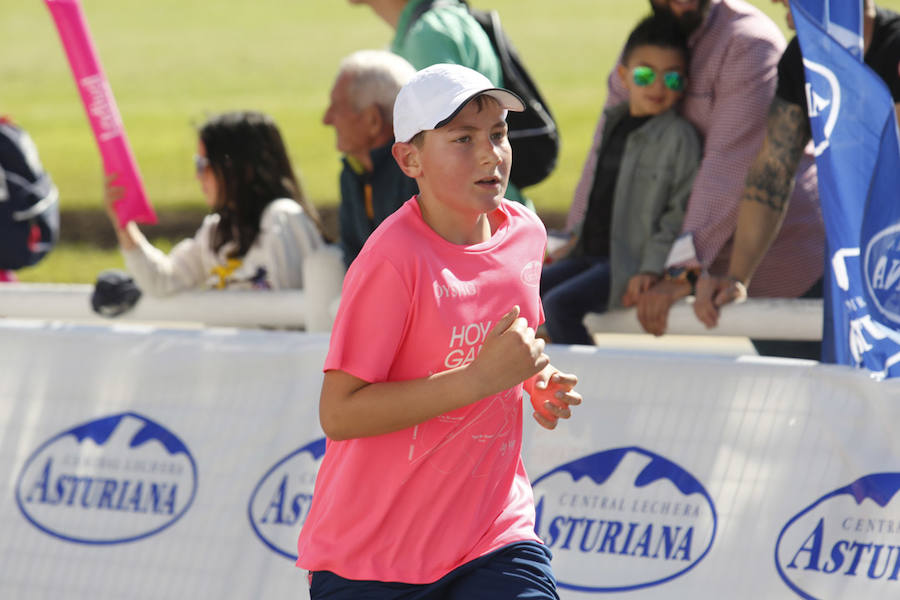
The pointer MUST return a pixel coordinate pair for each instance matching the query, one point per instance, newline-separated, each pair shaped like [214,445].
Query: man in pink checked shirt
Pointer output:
[735,50]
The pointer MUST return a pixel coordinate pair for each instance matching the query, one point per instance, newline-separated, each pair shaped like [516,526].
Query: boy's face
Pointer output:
[656,97]
[464,165]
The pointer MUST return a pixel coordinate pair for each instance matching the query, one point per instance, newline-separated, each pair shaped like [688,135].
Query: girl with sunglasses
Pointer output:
[260,227]
[645,169]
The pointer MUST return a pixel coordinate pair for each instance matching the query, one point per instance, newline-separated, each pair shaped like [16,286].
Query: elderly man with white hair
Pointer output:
[361,112]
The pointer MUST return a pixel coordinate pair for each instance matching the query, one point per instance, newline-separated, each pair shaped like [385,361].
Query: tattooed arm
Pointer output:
[768,187]
[764,203]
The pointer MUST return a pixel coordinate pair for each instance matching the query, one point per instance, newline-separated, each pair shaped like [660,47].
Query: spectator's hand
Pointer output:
[654,304]
[552,393]
[714,292]
[510,355]
[637,285]
[112,193]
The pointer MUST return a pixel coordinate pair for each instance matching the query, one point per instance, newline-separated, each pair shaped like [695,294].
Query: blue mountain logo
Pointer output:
[116,479]
[846,544]
[280,501]
[623,519]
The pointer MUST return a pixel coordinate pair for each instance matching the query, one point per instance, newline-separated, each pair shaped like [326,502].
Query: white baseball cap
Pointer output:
[433,96]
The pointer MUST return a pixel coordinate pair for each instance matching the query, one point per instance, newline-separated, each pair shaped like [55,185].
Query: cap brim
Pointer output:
[507,99]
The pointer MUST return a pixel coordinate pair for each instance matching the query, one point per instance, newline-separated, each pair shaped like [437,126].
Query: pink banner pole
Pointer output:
[102,112]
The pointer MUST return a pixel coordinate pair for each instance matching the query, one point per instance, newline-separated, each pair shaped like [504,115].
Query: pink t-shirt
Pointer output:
[412,505]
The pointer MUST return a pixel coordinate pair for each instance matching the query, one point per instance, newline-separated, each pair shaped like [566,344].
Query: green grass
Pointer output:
[78,263]
[72,263]
[171,62]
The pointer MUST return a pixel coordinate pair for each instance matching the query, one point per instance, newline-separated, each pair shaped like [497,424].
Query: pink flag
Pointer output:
[102,111]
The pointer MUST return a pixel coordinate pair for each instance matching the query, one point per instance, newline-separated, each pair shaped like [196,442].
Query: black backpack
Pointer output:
[532,134]
[29,202]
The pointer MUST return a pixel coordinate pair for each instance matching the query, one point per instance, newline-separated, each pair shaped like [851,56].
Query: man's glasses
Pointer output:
[201,163]
[644,76]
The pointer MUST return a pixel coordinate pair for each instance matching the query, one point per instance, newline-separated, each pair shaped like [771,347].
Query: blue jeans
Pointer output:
[518,571]
[570,289]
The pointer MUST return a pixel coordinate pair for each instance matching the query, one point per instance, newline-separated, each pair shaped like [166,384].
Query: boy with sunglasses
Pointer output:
[645,170]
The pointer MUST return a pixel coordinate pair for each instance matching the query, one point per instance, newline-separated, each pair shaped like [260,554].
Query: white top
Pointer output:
[275,260]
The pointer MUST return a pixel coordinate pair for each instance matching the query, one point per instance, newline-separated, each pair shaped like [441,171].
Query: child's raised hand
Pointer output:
[112,193]
[552,393]
[510,355]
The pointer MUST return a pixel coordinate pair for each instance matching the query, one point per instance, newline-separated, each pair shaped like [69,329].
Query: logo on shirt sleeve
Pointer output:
[531,274]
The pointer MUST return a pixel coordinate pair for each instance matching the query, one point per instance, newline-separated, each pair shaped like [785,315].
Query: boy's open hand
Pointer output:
[552,393]
[510,355]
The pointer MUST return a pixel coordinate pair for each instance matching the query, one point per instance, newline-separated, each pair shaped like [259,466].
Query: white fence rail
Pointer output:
[758,318]
[65,302]
[311,309]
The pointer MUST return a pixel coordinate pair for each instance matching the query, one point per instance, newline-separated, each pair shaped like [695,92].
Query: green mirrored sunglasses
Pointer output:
[644,76]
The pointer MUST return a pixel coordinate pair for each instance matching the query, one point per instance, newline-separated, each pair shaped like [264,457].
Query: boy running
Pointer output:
[422,492]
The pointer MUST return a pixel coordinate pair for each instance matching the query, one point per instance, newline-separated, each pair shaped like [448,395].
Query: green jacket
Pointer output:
[652,190]
[445,33]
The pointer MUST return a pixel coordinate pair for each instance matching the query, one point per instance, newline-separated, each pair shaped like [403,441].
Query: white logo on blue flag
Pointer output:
[856,145]
[882,270]
[823,93]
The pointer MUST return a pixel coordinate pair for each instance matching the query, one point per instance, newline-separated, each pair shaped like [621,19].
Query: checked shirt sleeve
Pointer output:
[734,131]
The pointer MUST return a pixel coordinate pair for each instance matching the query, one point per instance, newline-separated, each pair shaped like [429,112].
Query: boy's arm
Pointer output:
[350,407]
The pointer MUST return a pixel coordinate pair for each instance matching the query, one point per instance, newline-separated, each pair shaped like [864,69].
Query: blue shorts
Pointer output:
[520,570]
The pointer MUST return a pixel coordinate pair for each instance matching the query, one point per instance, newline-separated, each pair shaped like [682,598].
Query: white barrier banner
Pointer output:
[146,463]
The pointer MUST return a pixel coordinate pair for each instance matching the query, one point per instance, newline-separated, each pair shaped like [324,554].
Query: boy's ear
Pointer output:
[407,156]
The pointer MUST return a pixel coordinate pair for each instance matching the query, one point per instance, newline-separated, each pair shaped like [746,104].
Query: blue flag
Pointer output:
[857,149]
